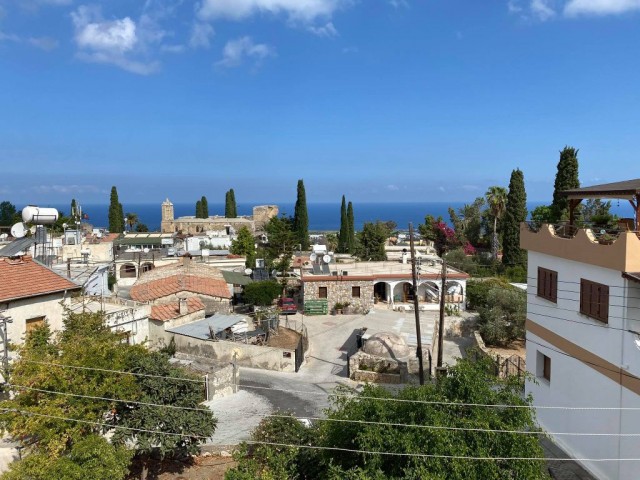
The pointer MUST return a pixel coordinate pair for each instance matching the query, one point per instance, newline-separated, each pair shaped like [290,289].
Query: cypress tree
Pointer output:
[73,212]
[515,213]
[199,209]
[351,229]
[116,216]
[301,218]
[566,179]
[204,207]
[232,203]
[227,205]
[343,236]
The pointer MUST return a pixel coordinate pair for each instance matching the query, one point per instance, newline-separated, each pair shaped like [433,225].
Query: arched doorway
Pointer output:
[380,290]
[128,270]
[403,292]
[429,292]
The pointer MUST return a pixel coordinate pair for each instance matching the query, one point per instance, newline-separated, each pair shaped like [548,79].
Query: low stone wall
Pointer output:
[245,355]
[375,377]
[505,365]
[222,382]
[380,370]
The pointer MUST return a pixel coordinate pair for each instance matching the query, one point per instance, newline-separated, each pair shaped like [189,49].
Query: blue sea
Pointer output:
[322,216]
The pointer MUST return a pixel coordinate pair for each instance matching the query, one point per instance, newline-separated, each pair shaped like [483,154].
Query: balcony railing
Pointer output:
[600,234]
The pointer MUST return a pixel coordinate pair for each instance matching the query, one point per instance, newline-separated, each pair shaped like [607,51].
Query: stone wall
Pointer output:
[262,214]
[340,290]
[246,355]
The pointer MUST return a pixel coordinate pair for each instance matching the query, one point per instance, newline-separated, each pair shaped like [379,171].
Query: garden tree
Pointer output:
[467,223]
[198,208]
[597,213]
[566,179]
[541,214]
[436,230]
[145,428]
[502,308]
[496,201]
[141,227]
[301,218]
[90,457]
[8,214]
[245,245]
[282,241]
[230,208]
[371,241]
[204,206]
[357,426]
[331,241]
[37,417]
[351,232]
[343,235]
[262,293]
[131,220]
[75,214]
[116,217]
[515,213]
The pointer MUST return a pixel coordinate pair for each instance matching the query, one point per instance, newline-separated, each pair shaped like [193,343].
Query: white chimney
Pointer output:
[183,309]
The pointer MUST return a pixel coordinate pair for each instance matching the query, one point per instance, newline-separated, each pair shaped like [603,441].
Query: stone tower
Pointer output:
[167,217]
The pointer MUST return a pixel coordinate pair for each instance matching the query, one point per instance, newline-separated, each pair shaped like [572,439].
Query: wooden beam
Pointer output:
[573,203]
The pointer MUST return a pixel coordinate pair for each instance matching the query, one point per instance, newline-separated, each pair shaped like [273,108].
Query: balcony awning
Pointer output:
[633,276]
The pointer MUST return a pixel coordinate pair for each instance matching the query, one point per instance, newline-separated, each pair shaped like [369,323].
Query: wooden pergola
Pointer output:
[627,190]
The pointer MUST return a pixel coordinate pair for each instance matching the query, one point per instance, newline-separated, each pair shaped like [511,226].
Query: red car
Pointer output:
[287,306]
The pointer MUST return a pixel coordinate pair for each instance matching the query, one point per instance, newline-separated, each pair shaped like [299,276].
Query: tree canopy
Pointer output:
[497,202]
[116,215]
[244,244]
[8,214]
[566,179]
[230,207]
[351,233]
[368,422]
[69,390]
[262,293]
[343,235]
[301,218]
[371,241]
[515,213]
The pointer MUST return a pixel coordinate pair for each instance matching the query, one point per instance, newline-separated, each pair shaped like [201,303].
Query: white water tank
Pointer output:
[39,216]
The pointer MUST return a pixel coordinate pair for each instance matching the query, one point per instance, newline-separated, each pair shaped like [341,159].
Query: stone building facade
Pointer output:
[191,225]
[358,293]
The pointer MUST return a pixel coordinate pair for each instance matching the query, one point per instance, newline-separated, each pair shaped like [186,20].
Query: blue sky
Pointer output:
[383,100]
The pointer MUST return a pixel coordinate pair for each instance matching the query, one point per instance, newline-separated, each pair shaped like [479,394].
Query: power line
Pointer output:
[364,397]
[315,447]
[601,325]
[450,457]
[100,424]
[339,420]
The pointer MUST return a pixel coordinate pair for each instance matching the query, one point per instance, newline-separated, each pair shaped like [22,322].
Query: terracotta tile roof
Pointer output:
[163,287]
[24,277]
[171,310]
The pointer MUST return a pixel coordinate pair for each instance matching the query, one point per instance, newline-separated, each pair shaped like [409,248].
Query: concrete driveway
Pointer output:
[305,394]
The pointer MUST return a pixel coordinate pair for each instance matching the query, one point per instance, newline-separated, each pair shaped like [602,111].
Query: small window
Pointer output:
[594,300]
[286,354]
[34,322]
[543,367]
[355,292]
[322,292]
[548,284]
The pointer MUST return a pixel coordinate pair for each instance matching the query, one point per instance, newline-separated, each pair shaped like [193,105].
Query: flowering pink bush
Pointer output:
[469,249]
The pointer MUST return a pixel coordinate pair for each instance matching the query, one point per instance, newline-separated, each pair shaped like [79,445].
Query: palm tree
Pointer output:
[497,201]
[131,219]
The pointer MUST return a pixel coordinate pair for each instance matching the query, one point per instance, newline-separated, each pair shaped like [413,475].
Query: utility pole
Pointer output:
[441,322]
[5,345]
[415,304]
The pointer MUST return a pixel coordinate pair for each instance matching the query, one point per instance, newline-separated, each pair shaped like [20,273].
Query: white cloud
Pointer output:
[392,188]
[399,3]
[10,37]
[235,51]
[327,30]
[350,50]
[44,43]
[600,7]
[172,48]
[541,9]
[201,34]
[116,36]
[66,188]
[115,42]
[303,10]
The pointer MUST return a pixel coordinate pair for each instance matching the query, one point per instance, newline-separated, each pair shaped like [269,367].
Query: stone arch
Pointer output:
[454,291]
[128,270]
[403,292]
[381,291]
[429,292]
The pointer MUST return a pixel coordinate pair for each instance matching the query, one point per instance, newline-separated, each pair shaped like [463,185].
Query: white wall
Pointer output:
[575,383]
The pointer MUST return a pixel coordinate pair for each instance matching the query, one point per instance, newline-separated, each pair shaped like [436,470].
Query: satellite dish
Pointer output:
[3,236]
[326,259]
[33,229]
[330,254]
[145,250]
[248,271]
[313,257]
[19,230]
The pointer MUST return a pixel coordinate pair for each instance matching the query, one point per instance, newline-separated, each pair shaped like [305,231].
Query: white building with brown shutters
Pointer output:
[583,335]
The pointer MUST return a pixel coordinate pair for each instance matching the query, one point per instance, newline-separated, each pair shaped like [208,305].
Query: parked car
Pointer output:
[287,306]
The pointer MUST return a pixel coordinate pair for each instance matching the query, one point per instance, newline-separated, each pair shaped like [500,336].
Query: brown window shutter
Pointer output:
[604,303]
[540,282]
[554,286]
[584,296]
